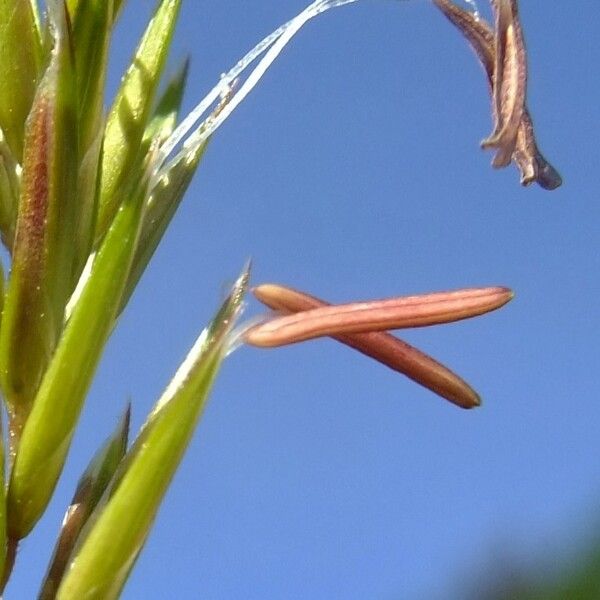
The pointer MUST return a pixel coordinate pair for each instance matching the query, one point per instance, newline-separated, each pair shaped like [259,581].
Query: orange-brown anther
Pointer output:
[482,38]
[383,347]
[378,315]
[380,345]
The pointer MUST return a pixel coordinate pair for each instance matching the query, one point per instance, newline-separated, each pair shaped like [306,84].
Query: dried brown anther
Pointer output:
[502,55]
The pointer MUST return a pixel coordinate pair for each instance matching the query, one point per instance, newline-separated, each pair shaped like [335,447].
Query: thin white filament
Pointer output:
[274,43]
[474,8]
[235,339]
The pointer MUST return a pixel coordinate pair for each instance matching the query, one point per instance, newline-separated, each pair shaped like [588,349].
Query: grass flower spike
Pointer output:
[108,548]
[44,252]
[362,326]
[86,196]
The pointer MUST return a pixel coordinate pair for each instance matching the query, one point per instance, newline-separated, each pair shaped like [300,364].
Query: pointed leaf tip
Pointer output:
[92,485]
[102,563]
[128,117]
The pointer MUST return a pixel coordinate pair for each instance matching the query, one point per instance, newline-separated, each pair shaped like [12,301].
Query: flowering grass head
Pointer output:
[86,195]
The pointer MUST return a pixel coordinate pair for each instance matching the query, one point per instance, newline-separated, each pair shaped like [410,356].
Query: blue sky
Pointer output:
[354,171]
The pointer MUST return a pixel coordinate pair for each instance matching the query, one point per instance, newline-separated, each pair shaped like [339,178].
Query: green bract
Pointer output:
[90,489]
[19,70]
[92,26]
[128,117]
[99,568]
[43,256]
[50,426]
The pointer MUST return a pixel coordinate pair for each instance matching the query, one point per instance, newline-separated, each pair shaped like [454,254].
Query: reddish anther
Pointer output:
[380,345]
[378,315]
